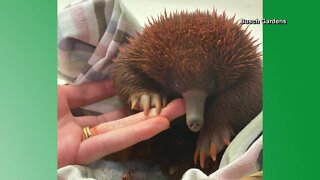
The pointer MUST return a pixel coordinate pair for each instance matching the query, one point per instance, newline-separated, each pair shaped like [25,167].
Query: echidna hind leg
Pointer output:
[210,143]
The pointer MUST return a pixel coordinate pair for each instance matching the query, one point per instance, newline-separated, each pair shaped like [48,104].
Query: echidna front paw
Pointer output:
[145,100]
[210,143]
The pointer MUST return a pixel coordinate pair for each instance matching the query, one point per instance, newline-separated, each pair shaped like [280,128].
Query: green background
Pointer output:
[28,90]
[291,91]
[28,100]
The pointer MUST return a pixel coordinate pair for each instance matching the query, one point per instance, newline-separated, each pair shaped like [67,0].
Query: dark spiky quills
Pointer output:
[173,39]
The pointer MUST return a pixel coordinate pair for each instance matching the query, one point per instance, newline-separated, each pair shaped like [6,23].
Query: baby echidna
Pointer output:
[207,59]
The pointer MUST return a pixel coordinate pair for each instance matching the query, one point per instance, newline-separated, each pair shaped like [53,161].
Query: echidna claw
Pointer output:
[145,100]
[203,156]
[156,102]
[134,101]
[145,103]
[213,151]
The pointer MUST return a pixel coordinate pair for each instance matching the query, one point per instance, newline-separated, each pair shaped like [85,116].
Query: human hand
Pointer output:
[110,134]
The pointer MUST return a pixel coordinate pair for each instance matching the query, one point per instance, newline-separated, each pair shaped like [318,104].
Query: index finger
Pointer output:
[85,94]
[172,111]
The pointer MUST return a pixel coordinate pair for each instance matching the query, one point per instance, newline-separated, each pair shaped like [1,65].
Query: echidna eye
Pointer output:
[178,84]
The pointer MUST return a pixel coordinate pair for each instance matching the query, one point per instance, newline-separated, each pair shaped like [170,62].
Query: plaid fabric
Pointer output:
[89,35]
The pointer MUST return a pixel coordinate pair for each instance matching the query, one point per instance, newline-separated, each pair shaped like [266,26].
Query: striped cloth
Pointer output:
[89,35]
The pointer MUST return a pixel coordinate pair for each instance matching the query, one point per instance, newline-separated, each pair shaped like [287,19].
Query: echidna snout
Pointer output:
[194,104]
[194,125]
